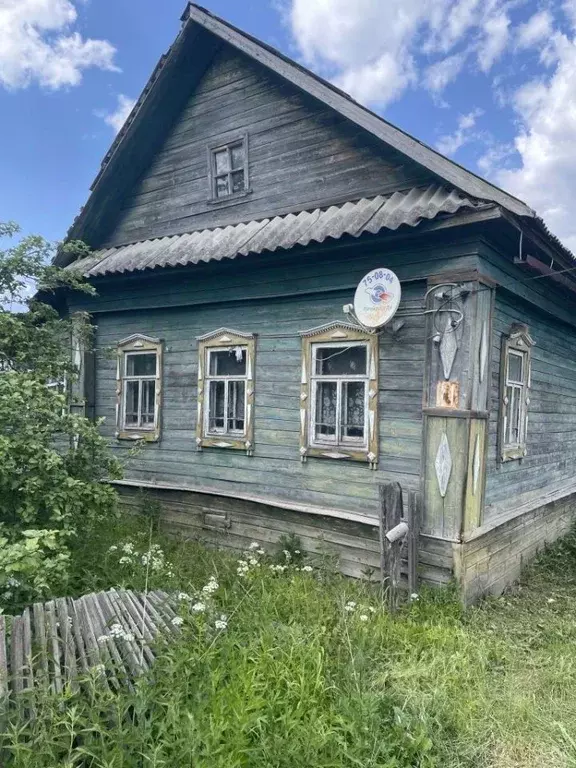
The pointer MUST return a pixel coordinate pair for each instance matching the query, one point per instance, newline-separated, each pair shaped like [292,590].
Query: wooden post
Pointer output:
[414,512]
[390,515]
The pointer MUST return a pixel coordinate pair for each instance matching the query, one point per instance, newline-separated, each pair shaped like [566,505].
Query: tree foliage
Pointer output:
[52,458]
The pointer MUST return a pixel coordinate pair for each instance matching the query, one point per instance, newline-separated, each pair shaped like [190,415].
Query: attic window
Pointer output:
[228,169]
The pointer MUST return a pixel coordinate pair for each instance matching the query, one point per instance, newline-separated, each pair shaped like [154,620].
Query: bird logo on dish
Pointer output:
[378,294]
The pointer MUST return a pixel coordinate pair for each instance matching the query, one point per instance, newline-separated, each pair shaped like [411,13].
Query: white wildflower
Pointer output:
[253,562]
[371,609]
[128,548]
[100,669]
[211,587]
[113,548]
[12,582]
[287,554]
[222,622]
[183,596]
[350,606]
[307,568]
[414,596]
[551,600]
[260,552]
[102,639]
[242,563]
[170,574]
[296,551]
[254,545]
[125,560]
[199,607]
[177,621]
[363,617]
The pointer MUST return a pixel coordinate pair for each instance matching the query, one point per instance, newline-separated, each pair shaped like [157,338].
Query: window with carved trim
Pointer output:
[139,380]
[226,390]
[515,387]
[339,394]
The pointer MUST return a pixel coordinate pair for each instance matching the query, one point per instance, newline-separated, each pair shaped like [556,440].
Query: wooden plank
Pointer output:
[54,655]
[17,655]
[4,673]
[40,642]
[390,515]
[414,516]
[69,652]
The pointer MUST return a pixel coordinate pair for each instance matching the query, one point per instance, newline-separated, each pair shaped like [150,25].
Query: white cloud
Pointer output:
[443,72]
[118,116]
[546,177]
[537,29]
[38,44]
[493,42]
[370,46]
[451,143]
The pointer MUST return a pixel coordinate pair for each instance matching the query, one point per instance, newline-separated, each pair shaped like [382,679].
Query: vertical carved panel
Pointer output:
[448,348]
[476,465]
[443,465]
[483,353]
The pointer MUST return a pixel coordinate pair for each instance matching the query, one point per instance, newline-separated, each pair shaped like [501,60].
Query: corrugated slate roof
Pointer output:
[281,232]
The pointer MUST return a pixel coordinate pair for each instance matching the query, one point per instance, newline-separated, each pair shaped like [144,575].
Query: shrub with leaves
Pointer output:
[51,460]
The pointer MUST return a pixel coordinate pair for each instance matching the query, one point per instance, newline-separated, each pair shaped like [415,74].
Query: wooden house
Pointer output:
[231,221]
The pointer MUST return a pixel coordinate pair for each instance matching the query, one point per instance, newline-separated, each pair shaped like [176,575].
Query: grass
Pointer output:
[297,679]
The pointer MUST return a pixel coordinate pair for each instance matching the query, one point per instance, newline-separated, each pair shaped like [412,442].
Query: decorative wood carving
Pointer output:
[443,465]
[448,348]
[476,465]
[483,353]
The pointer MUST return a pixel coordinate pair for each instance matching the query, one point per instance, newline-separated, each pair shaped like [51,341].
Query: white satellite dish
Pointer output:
[377,298]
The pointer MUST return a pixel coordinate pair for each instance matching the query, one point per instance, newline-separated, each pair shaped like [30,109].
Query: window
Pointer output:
[139,388]
[226,390]
[339,394]
[228,169]
[515,384]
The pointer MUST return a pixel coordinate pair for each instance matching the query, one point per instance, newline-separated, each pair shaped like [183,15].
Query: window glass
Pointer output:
[228,362]
[341,361]
[221,161]
[148,390]
[326,405]
[238,181]
[222,186]
[515,366]
[237,156]
[353,409]
[131,408]
[236,405]
[141,365]
[217,403]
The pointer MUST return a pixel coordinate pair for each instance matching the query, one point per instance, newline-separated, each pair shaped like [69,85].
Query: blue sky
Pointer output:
[491,83]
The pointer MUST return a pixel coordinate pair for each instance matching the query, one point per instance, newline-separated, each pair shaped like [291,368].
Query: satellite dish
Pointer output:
[377,298]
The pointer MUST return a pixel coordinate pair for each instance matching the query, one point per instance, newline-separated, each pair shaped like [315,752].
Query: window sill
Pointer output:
[339,453]
[228,443]
[234,199]
[513,454]
[134,435]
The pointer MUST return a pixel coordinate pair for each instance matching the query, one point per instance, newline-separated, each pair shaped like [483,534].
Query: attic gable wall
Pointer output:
[302,155]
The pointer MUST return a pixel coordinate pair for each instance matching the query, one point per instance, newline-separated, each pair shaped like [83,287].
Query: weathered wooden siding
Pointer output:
[235,523]
[275,470]
[549,467]
[301,155]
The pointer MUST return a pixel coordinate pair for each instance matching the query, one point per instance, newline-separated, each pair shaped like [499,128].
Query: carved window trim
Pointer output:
[221,339]
[332,334]
[138,343]
[517,342]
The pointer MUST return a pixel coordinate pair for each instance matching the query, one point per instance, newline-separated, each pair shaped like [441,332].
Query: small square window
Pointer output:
[228,169]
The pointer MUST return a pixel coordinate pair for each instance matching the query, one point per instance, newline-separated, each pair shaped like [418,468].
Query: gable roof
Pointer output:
[195,44]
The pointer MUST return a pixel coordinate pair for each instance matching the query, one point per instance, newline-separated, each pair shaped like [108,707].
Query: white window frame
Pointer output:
[337,334]
[225,339]
[340,381]
[137,345]
[517,343]
[227,381]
